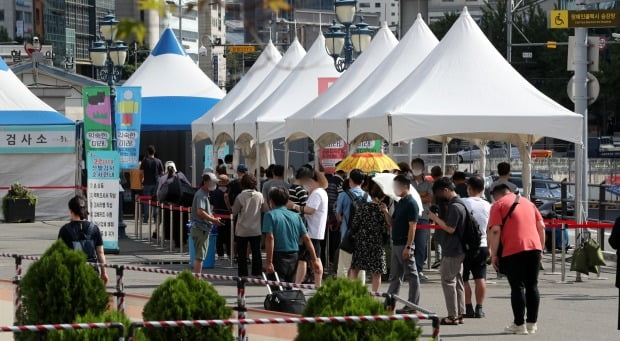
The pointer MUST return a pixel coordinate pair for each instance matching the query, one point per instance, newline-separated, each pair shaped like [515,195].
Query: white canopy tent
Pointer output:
[202,128]
[466,89]
[299,124]
[223,128]
[37,149]
[331,125]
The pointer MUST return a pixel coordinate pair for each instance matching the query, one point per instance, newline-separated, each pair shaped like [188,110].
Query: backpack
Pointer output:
[86,243]
[356,203]
[471,237]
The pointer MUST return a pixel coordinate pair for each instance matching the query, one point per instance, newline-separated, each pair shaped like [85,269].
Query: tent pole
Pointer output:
[194,166]
[257,144]
[410,150]
[286,157]
[317,162]
[390,139]
[444,152]
[525,151]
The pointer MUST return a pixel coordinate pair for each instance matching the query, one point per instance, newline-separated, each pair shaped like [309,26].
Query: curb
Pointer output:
[610,256]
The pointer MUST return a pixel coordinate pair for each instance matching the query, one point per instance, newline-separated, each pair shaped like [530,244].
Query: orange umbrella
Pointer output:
[368,162]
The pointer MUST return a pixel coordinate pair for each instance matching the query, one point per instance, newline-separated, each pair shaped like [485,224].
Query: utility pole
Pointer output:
[509,32]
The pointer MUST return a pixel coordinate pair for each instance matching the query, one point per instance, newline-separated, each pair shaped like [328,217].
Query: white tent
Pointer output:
[175,91]
[223,128]
[419,41]
[299,125]
[202,128]
[37,147]
[313,75]
[466,89]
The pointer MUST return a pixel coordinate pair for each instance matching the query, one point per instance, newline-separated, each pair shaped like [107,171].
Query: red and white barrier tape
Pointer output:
[63,326]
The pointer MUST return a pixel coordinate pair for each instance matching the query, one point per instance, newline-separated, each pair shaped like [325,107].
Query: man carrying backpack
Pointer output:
[451,238]
[344,207]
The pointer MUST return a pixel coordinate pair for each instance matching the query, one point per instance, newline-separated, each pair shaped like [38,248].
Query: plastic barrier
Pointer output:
[209,261]
[297,320]
[40,328]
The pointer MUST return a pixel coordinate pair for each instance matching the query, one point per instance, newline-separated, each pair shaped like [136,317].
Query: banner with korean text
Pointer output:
[37,139]
[97,118]
[103,194]
[128,121]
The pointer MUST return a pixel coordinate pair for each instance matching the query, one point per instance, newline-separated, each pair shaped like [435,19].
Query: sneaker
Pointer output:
[224,257]
[436,264]
[514,329]
[532,328]
[479,312]
[422,277]
[406,310]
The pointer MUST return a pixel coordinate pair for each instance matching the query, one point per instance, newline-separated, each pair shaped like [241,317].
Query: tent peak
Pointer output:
[3,66]
[465,11]
[168,44]
[384,24]
[419,16]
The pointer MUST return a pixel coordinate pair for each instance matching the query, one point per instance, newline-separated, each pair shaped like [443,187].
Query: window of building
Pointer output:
[1,15]
[393,14]
[364,5]
[393,4]
[377,5]
[27,18]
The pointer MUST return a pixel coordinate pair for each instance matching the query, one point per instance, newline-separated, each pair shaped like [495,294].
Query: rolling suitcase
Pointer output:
[284,301]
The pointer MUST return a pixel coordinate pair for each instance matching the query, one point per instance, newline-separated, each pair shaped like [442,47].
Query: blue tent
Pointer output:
[175,92]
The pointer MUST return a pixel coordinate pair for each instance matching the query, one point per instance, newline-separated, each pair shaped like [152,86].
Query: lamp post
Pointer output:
[341,44]
[109,55]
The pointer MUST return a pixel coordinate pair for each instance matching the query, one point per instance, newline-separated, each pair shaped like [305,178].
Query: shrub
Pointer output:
[343,297]
[60,287]
[186,298]
[97,334]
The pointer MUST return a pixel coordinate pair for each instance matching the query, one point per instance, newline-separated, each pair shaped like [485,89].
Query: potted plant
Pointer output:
[18,205]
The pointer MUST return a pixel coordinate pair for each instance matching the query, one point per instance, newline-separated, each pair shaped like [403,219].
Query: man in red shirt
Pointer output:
[516,222]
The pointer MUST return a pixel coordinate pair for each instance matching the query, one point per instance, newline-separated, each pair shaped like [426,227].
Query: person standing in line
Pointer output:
[436,174]
[614,242]
[517,224]
[221,205]
[234,188]
[315,213]
[82,235]
[283,230]
[248,207]
[277,180]
[152,168]
[403,222]
[203,220]
[449,236]
[425,189]
[334,188]
[503,170]
[460,184]
[476,265]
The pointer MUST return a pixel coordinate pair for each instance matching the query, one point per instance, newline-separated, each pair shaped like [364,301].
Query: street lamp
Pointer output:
[340,45]
[109,55]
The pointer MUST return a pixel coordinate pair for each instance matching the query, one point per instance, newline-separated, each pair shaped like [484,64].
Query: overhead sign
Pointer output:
[242,49]
[103,194]
[128,120]
[37,139]
[588,19]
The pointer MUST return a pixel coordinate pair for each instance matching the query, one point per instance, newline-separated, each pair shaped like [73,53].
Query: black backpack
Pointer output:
[86,243]
[471,237]
[356,203]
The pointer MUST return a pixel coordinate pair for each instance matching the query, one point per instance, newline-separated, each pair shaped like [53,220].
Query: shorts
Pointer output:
[476,265]
[304,254]
[201,243]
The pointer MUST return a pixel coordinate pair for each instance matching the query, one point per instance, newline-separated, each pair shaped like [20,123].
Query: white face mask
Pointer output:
[416,172]
[212,186]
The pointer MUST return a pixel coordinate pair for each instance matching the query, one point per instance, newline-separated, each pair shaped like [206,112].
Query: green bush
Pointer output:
[97,334]
[60,287]
[186,298]
[342,297]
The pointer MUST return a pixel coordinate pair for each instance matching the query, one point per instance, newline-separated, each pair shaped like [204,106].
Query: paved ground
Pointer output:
[574,311]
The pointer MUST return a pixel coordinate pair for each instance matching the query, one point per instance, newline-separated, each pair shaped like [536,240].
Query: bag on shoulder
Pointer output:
[86,243]
[472,236]
[348,244]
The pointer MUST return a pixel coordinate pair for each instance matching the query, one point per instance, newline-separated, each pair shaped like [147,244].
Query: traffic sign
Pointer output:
[573,19]
[602,43]
[242,49]
[594,88]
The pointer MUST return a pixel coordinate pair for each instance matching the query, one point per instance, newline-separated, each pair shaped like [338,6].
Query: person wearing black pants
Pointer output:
[247,207]
[614,241]
[242,250]
[522,273]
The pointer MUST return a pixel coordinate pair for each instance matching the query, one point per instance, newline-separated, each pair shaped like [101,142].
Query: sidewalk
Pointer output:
[577,311]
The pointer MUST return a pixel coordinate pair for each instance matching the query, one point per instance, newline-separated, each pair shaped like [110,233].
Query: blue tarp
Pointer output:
[174,112]
[27,117]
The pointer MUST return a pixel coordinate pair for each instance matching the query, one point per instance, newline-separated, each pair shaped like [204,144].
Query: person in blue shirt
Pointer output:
[343,208]
[283,230]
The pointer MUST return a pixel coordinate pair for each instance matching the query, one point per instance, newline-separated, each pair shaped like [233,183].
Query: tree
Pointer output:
[4,34]
[442,26]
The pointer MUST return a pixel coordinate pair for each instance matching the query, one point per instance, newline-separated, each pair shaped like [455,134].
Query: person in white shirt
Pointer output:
[476,265]
[315,213]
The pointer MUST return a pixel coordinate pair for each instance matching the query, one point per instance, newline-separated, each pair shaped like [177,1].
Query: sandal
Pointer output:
[449,321]
[460,320]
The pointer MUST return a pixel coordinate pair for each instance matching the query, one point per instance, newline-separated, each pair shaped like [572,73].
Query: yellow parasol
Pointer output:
[368,162]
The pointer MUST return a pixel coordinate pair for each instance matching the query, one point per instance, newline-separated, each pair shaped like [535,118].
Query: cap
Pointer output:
[171,164]
[242,168]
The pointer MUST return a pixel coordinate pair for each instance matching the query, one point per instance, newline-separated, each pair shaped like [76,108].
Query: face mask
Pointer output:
[416,172]
[398,192]
[223,188]
[212,187]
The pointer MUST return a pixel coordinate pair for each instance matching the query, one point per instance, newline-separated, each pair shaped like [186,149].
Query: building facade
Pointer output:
[17,17]
[388,10]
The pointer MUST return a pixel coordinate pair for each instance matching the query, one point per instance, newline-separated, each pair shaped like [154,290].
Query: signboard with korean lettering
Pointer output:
[97,118]
[372,146]
[103,194]
[128,121]
[588,19]
[37,139]
[221,153]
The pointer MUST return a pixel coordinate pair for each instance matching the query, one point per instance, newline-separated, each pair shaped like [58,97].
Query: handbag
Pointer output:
[500,247]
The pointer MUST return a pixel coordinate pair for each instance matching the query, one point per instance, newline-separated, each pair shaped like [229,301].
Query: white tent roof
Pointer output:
[202,128]
[223,129]
[19,106]
[169,71]
[299,125]
[419,41]
[310,77]
[466,89]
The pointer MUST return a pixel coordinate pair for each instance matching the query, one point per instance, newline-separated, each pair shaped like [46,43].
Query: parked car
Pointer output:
[545,193]
[471,155]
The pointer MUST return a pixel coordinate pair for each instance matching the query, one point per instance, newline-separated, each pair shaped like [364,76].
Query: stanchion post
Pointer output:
[160,223]
[429,251]
[18,294]
[120,288]
[241,309]
[553,247]
[150,236]
[232,241]
[136,216]
[181,236]
[563,248]
[171,228]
